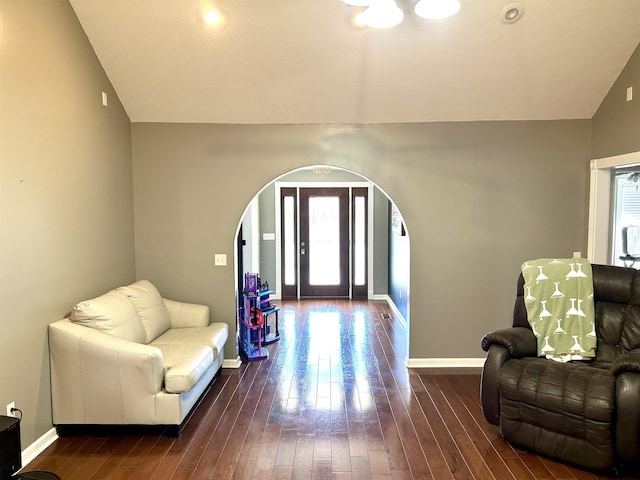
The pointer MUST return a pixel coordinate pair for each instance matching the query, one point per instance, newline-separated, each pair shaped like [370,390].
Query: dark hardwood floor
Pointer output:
[333,401]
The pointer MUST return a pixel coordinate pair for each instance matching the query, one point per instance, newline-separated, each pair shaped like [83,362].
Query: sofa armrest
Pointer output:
[100,379]
[183,315]
[519,341]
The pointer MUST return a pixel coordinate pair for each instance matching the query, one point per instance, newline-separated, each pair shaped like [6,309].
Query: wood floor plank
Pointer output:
[212,451]
[303,458]
[340,457]
[557,470]
[188,449]
[286,451]
[239,447]
[357,439]
[334,400]
[410,441]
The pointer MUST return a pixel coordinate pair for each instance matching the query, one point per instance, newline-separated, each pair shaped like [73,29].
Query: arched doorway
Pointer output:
[259,244]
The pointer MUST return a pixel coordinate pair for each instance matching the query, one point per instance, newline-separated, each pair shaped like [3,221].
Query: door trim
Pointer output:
[306,289]
[358,292]
[286,291]
[278,221]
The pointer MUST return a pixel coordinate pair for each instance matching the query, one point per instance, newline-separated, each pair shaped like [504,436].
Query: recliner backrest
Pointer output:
[617,308]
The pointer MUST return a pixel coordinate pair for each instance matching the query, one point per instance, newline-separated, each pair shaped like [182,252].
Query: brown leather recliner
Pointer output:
[583,413]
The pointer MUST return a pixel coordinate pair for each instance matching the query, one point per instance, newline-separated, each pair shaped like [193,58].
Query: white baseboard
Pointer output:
[232,363]
[445,362]
[37,447]
[430,362]
[396,312]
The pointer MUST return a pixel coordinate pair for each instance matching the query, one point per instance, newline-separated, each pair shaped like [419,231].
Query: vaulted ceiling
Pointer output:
[301,61]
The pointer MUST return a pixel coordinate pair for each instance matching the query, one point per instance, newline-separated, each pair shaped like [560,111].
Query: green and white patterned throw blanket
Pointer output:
[558,295]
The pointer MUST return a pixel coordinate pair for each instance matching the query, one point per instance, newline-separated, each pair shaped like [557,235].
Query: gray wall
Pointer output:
[268,225]
[381,243]
[478,199]
[399,266]
[66,192]
[616,124]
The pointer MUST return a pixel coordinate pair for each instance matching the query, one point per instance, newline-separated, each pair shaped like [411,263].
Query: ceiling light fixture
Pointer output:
[434,9]
[356,18]
[381,14]
[386,13]
[321,169]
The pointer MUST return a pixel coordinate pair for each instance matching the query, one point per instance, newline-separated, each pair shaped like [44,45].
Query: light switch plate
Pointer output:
[220,259]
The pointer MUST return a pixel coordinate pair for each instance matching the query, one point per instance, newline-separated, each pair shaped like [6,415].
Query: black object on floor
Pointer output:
[10,452]
[36,475]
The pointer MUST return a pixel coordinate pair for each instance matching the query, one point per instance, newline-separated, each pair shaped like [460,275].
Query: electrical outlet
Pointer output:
[11,406]
[220,259]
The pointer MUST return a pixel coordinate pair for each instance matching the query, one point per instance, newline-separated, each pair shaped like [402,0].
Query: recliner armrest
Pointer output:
[628,416]
[629,362]
[501,346]
[519,341]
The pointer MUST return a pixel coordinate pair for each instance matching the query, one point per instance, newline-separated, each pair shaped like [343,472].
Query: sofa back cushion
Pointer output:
[150,307]
[111,313]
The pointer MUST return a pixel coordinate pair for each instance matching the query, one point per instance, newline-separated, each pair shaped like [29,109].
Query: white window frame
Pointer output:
[600,208]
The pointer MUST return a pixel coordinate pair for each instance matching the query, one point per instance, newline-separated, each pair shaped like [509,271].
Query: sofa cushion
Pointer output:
[214,336]
[111,313]
[184,365]
[150,307]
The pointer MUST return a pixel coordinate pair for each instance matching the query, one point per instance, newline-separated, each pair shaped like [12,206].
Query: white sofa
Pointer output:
[130,357]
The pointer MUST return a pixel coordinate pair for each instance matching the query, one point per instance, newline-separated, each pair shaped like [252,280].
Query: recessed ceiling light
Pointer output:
[213,17]
[512,13]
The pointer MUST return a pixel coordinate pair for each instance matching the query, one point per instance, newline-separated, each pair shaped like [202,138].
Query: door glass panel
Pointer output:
[324,240]
[359,244]
[289,241]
